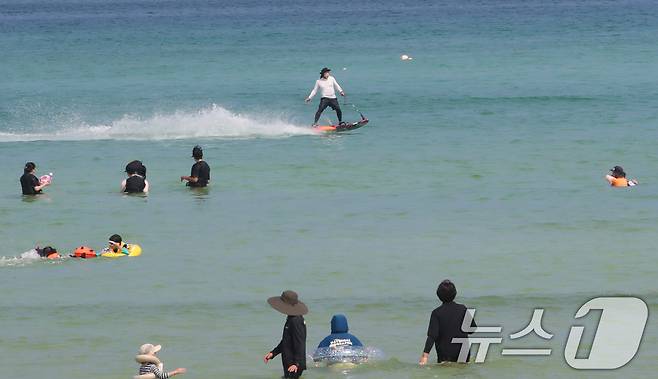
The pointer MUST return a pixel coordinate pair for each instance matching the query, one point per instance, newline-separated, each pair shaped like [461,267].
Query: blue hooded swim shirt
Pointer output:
[339,336]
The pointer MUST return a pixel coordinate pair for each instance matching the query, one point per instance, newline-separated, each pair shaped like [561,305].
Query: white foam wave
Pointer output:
[27,257]
[211,122]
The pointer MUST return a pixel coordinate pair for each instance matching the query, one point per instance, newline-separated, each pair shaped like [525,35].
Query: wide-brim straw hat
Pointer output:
[149,348]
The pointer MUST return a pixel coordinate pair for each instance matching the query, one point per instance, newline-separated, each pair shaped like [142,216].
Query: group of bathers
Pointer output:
[135,181]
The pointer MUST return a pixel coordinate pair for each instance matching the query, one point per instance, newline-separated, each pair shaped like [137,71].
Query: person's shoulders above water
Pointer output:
[449,306]
[338,340]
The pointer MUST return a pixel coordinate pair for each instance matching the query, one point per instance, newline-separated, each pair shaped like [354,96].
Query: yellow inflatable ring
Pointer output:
[133,250]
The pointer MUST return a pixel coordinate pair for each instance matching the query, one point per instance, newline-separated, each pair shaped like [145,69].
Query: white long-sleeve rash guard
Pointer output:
[326,87]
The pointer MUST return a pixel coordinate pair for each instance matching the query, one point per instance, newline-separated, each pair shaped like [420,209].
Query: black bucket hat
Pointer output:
[326,69]
[288,304]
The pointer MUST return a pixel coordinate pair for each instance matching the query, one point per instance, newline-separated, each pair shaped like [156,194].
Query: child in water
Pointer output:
[116,245]
[150,364]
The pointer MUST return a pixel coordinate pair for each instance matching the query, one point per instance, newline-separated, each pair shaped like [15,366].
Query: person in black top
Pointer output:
[293,342]
[48,252]
[136,181]
[200,175]
[446,324]
[29,182]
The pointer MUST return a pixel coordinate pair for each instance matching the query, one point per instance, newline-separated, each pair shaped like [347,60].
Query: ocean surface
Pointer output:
[483,163]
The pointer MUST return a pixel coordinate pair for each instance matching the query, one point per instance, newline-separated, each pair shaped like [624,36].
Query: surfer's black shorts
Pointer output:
[327,102]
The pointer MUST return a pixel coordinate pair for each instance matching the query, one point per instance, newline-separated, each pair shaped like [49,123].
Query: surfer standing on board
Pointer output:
[327,86]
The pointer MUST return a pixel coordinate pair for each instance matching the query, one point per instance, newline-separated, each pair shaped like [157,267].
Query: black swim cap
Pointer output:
[49,250]
[115,238]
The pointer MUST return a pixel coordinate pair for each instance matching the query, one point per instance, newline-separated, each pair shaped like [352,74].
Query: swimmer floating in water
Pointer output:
[150,365]
[115,245]
[617,178]
[47,252]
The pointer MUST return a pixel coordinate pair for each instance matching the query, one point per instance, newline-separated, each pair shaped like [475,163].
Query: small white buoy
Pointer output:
[405,57]
[344,68]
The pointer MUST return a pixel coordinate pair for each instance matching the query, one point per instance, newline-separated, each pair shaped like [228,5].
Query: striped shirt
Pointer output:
[152,368]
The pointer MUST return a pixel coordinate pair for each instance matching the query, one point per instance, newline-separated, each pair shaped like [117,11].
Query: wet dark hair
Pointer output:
[142,170]
[136,167]
[29,167]
[116,238]
[446,291]
[197,152]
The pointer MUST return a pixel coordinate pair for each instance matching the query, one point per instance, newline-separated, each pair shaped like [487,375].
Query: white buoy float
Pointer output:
[405,57]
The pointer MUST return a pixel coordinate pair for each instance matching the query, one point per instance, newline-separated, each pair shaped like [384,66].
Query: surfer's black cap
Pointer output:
[326,69]
[617,169]
[197,152]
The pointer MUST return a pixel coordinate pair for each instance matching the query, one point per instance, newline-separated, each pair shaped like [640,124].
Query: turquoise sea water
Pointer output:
[483,163]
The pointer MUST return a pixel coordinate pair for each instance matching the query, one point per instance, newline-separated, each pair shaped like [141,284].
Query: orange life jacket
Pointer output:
[619,182]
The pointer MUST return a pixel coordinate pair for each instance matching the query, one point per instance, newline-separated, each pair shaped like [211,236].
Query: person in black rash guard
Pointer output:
[200,175]
[446,324]
[30,184]
[293,342]
[136,181]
